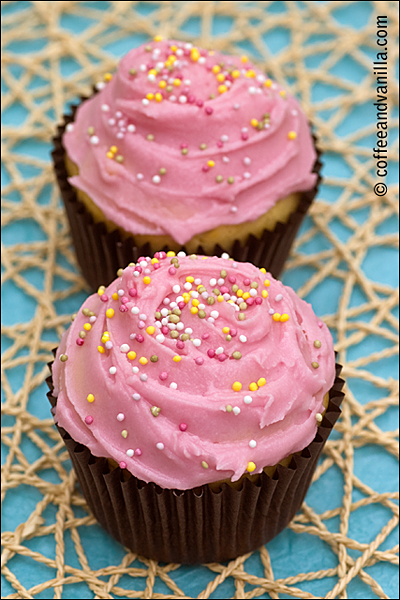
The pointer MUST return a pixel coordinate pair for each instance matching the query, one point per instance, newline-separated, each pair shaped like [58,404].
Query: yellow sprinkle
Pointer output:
[235,74]
[87,326]
[194,54]
[264,294]
[171,59]
[220,299]
[276,317]
[246,295]
[185,295]
[216,69]
[263,270]
[292,135]
[254,122]
[90,398]
[177,82]
[244,58]
[101,290]
[222,89]
[146,280]
[284,318]
[253,387]
[154,260]
[239,293]
[152,72]
[109,312]
[115,296]
[170,253]
[251,467]
[158,97]
[143,360]
[157,38]
[199,286]
[268,83]
[150,96]
[177,358]
[114,149]
[237,386]
[100,349]
[131,355]
[162,84]
[210,163]
[189,279]
[220,77]
[107,76]
[267,283]
[250,73]
[174,48]
[282,93]
[261,382]
[195,302]
[150,329]
[110,155]
[225,330]
[194,310]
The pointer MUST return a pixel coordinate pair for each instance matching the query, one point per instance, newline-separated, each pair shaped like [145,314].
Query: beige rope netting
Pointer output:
[335,261]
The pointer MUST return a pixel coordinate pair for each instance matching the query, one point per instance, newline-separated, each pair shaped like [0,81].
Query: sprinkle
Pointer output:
[122,464]
[130,452]
[90,398]
[292,135]
[94,140]
[163,376]
[231,180]
[284,318]
[99,348]
[109,313]
[317,344]
[278,297]
[63,357]
[183,426]
[143,377]
[237,386]
[276,316]
[264,294]
[146,280]
[136,396]
[267,282]
[236,410]
[219,179]
[228,408]
[318,417]
[253,386]
[199,360]
[134,310]
[250,467]
[177,358]
[112,370]
[143,360]
[196,342]
[88,420]
[261,382]
[150,329]
[315,365]
[173,385]
[156,179]
[138,452]
[243,338]
[155,411]
[214,314]
[237,355]
[247,399]
[124,348]
[160,446]
[204,464]
[154,358]
[120,417]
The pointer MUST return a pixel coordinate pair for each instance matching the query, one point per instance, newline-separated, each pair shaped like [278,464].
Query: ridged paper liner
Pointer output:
[101,253]
[198,525]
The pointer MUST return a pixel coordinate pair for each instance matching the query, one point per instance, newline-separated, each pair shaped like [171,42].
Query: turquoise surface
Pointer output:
[290,553]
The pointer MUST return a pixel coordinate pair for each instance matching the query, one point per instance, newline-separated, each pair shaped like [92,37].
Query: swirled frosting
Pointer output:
[182,140]
[193,371]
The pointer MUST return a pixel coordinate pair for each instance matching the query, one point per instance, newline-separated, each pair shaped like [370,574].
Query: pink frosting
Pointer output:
[238,392]
[258,166]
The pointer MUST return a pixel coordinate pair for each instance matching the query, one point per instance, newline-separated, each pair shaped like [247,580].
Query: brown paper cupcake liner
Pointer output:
[100,253]
[198,525]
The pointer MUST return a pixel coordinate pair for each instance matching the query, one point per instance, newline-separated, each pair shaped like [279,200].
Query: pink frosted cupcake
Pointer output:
[185,147]
[194,395]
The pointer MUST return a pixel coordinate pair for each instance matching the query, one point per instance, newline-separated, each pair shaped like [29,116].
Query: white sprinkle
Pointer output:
[173,385]
[221,281]
[136,396]
[234,209]
[196,342]
[189,330]
[143,317]
[182,99]
[214,314]
[112,370]
[176,289]
[180,326]
[187,285]
[173,305]
[130,452]
[100,85]
[156,179]
[120,417]
[179,299]
[164,312]
[186,81]
[226,296]
[236,106]
[105,107]
[252,89]
[124,348]
[131,128]
[225,159]
[135,370]
[213,282]
[181,254]
[145,102]
[225,255]
[164,321]
[70,127]
[159,65]
[134,309]
[139,176]
[219,350]
[160,446]
[195,294]
[158,324]
[236,410]
[143,263]
[252,443]
[120,293]
[94,140]
[172,98]
[318,417]
[234,265]
[243,338]
[294,112]
[204,295]
[151,77]
[247,160]
[278,297]
[201,60]
[261,78]
[143,377]
[132,336]
[188,46]
[253,292]
[247,399]
[210,320]
[224,138]
[93,319]
[197,281]
[271,311]
[160,338]
[143,68]
[246,175]
[118,114]
[201,306]
[166,301]
[111,121]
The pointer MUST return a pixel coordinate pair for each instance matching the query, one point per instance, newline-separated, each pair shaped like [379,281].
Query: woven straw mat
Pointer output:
[343,541]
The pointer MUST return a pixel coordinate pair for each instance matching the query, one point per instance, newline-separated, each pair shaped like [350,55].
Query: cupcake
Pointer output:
[185,148]
[194,395]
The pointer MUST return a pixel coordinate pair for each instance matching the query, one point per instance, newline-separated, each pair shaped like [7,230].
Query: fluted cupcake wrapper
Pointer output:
[101,253]
[198,525]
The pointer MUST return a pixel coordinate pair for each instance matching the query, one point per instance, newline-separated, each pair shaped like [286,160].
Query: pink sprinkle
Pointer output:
[123,308]
[191,99]
[199,360]
[133,292]
[223,289]
[181,304]
[138,268]
[209,110]
[258,300]
[320,323]
[138,452]
[88,420]
[250,301]
[172,270]
[104,297]
[150,66]
[199,103]
[205,336]
[183,146]
[220,144]
[163,254]
[157,255]
[180,345]
[163,376]
[183,426]
[79,341]
[156,266]
[233,332]
[164,329]
[246,281]
[211,353]
[205,168]
[123,464]
[232,279]
[141,324]
[124,299]
[139,338]
[245,136]
[222,357]
[229,77]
